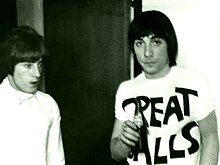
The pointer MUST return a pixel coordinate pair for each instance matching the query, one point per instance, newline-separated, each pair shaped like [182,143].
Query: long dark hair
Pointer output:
[156,23]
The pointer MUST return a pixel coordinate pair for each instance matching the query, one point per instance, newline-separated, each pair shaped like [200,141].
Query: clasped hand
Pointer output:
[130,134]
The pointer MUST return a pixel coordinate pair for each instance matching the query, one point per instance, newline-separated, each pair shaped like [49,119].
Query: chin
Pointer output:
[30,91]
[150,70]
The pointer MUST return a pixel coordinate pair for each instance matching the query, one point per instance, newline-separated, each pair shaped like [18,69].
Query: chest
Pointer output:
[24,120]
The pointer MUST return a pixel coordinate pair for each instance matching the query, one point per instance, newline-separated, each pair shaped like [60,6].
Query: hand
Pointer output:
[130,134]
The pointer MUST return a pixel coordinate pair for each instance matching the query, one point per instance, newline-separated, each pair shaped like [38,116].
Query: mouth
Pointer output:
[34,83]
[149,63]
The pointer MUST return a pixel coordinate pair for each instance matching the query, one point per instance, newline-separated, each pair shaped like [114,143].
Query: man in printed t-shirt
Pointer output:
[166,115]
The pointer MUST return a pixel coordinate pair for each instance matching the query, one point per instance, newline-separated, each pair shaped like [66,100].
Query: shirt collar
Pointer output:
[21,96]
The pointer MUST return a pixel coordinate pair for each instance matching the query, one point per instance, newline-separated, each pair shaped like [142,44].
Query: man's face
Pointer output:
[26,76]
[152,55]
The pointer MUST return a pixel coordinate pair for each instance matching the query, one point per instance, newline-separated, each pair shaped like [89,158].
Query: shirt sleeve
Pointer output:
[121,95]
[55,143]
[206,103]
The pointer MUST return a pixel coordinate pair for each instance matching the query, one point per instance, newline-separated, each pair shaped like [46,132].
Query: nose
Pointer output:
[148,51]
[36,71]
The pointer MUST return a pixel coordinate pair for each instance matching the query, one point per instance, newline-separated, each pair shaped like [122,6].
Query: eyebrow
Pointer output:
[151,36]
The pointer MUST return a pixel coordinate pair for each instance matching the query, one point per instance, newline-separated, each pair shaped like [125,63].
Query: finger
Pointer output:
[130,125]
[130,137]
[131,132]
[128,140]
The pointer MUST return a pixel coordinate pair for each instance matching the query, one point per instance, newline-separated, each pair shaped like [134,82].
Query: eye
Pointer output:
[157,41]
[139,43]
[40,65]
[28,65]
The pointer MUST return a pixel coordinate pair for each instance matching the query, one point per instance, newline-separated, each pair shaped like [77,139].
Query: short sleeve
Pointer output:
[206,103]
[120,114]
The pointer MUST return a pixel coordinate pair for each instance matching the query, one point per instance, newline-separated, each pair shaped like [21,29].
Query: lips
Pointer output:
[149,62]
[34,82]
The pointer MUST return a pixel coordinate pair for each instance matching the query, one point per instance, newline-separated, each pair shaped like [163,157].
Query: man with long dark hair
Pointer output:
[165,115]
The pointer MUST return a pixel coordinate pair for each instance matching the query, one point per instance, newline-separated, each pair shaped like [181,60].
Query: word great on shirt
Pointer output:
[173,108]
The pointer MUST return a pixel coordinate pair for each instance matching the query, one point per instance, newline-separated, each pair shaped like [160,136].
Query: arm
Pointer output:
[210,142]
[55,144]
[123,139]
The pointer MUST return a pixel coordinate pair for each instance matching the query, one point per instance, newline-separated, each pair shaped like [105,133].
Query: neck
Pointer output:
[159,75]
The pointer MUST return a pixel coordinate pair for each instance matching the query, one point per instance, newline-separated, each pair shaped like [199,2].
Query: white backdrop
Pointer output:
[197,24]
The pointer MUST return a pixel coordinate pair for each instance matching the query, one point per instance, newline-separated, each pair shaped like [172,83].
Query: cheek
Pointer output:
[139,57]
[164,60]
[139,52]
[19,76]
[162,53]
[18,80]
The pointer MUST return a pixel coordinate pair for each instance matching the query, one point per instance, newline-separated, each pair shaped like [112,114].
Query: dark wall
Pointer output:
[8,15]
[8,20]
[87,41]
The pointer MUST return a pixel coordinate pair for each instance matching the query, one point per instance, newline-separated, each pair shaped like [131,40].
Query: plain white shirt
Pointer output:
[29,128]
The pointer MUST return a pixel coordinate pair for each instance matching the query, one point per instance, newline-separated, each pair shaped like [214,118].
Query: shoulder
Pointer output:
[194,80]
[132,82]
[45,98]
[48,104]
[189,73]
